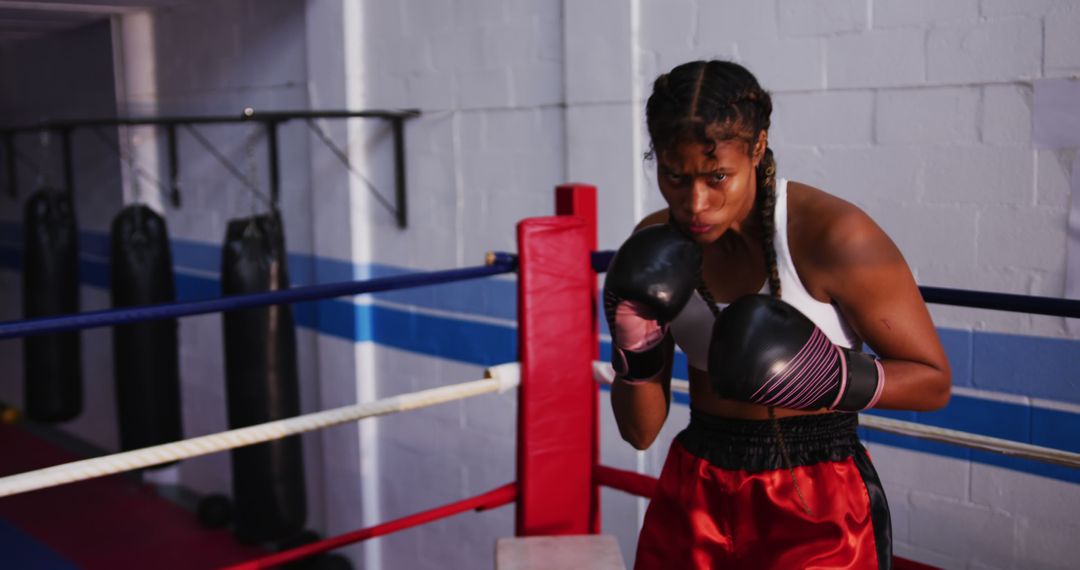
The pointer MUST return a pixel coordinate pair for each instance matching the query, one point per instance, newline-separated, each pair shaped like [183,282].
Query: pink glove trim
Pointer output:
[880,385]
[843,377]
[635,330]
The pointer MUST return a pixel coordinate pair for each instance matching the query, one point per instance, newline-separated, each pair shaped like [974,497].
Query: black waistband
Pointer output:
[755,445]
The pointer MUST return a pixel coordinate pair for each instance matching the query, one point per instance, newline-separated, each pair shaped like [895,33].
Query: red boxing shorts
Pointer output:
[726,498]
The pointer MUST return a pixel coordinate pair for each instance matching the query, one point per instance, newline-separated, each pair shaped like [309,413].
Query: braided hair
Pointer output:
[707,101]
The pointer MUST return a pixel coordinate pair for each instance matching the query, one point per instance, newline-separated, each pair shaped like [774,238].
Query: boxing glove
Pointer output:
[765,351]
[649,281]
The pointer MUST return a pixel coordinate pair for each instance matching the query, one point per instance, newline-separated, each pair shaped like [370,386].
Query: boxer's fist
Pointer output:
[650,279]
[765,351]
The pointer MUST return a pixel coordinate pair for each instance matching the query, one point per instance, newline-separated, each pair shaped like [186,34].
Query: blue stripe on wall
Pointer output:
[486,297]
[466,341]
[1010,363]
[957,345]
[195,287]
[990,361]
[194,255]
[94,273]
[95,244]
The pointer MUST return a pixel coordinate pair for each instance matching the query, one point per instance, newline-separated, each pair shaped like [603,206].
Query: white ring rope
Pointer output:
[497,379]
[603,373]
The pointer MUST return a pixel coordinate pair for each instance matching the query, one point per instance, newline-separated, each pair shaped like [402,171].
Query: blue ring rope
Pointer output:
[501,263]
[110,317]
[956,297]
[1051,306]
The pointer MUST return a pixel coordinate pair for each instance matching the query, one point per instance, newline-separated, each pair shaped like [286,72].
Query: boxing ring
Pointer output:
[558,377]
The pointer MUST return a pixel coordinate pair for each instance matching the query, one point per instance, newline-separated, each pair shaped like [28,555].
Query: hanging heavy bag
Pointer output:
[262,385]
[53,379]
[145,355]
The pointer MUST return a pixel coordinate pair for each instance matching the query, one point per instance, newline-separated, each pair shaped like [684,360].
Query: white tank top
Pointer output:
[692,329]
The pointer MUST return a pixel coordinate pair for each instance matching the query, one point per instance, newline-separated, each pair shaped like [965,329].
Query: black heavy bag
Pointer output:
[262,385]
[53,378]
[145,356]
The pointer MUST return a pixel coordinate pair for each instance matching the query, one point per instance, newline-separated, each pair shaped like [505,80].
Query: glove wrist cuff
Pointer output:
[863,383]
[635,366]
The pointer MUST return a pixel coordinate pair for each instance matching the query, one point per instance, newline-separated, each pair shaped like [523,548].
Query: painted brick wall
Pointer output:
[919,112]
[486,152]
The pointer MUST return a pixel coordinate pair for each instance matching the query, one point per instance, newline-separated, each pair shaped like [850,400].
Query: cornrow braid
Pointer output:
[766,196]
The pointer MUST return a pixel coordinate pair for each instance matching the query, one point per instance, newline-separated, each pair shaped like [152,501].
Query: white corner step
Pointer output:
[577,552]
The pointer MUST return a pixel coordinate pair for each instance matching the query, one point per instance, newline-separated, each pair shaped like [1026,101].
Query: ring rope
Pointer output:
[497,379]
[322,291]
[1030,304]
[603,373]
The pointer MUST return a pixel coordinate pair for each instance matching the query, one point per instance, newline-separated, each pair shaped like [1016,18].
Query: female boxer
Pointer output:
[770,472]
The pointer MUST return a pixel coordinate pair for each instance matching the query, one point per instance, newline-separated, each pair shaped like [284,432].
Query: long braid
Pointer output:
[766,196]
[766,180]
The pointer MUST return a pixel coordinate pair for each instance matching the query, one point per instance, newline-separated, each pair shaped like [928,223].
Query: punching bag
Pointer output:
[145,356]
[53,379]
[262,382]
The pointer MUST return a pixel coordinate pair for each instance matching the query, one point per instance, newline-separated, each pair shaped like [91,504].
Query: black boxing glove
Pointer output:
[650,279]
[765,351]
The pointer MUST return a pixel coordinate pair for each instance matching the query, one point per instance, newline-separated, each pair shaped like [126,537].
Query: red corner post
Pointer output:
[579,200]
[557,397]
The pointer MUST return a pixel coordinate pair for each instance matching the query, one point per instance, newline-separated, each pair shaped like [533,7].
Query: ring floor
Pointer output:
[110,522]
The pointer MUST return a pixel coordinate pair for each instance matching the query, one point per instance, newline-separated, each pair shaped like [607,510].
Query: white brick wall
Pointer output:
[840,118]
[1036,8]
[819,17]
[987,535]
[668,23]
[1021,238]
[1006,115]
[796,64]
[927,116]
[899,468]
[917,111]
[875,178]
[997,50]
[1052,178]
[1062,47]
[598,35]
[886,58]
[1046,545]
[979,175]
[923,13]
[735,20]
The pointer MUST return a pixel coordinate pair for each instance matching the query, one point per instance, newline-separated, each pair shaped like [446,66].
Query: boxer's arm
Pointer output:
[867,277]
[641,407]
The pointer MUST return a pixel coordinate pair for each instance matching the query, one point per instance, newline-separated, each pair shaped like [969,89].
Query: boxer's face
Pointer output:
[709,190]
